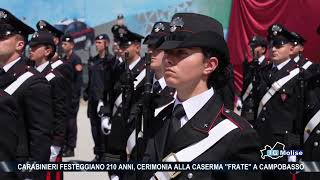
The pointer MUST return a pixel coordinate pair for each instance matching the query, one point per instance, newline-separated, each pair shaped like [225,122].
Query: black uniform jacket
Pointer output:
[34,107]
[117,139]
[250,104]
[66,71]
[277,119]
[8,131]
[99,83]
[9,134]
[59,105]
[241,144]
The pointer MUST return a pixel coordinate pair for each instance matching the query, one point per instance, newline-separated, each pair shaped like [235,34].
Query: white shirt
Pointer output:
[194,104]
[134,63]
[296,59]
[42,66]
[9,65]
[261,59]
[281,65]
[161,81]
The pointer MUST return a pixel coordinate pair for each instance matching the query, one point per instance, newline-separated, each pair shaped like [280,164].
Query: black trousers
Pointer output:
[72,128]
[96,132]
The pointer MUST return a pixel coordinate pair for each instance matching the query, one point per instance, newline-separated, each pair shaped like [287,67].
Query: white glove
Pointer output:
[105,125]
[100,104]
[114,177]
[54,153]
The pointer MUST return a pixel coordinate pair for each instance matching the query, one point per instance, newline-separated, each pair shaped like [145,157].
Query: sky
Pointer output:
[94,12]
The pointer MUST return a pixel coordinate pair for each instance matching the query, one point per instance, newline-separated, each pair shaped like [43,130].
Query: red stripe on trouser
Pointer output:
[55,175]
[294,177]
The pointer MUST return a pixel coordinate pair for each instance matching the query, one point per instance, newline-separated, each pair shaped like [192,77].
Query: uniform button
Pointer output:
[251,92]
[264,108]
[190,175]
[286,132]
[315,144]
[263,119]
[227,111]
[318,131]
[308,131]
[119,114]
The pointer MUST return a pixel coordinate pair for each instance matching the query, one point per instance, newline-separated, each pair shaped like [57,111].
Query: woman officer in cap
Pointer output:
[198,124]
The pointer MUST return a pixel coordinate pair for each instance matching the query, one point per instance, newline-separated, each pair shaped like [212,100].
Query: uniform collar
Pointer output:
[194,104]
[261,59]
[281,65]
[296,59]
[9,65]
[134,63]
[42,66]
[161,81]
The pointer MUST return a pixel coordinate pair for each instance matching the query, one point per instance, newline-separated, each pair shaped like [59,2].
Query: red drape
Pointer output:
[250,17]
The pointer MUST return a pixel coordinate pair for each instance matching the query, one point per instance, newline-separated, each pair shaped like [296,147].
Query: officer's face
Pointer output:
[258,51]
[133,50]
[156,58]
[101,45]
[187,67]
[116,49]
[38,53]
[7,47]
[296,50]
[281,53]
[67,46]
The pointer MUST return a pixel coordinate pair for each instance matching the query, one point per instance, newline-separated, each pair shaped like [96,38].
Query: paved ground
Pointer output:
[84,149]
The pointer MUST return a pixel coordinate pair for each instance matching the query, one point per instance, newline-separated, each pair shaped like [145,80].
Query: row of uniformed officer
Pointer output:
[30,90]
[128,76]
[281,97]
[145,113]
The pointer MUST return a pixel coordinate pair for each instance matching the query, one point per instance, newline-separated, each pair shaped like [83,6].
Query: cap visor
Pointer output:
[170,45]
[32,44]
[151,40]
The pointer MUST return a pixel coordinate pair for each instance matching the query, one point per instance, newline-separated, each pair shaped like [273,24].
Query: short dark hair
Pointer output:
[221,74]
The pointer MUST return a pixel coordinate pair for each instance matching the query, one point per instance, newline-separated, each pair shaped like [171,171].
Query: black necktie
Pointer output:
[156,87]
[273,71]
[177,114]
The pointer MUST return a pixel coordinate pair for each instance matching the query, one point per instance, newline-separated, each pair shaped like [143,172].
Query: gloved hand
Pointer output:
[100,104]
[105,125]
[54,153]
[114,177]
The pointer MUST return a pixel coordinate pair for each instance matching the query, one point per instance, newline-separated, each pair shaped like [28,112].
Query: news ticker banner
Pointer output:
[180,166]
